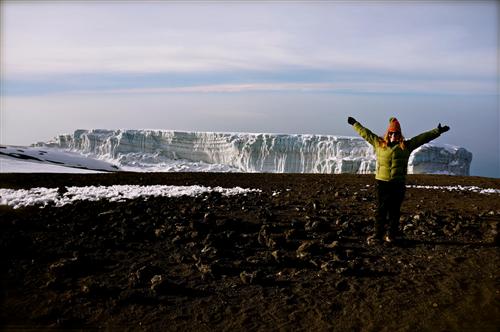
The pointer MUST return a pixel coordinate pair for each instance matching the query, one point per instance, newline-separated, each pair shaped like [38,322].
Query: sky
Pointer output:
[291,67]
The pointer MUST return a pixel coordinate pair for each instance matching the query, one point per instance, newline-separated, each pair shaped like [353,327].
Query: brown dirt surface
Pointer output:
[292,257]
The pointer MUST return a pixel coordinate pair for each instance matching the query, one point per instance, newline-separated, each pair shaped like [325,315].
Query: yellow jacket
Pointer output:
[392,161]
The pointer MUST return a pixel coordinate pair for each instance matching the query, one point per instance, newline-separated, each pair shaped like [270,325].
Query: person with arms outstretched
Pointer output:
[392,152]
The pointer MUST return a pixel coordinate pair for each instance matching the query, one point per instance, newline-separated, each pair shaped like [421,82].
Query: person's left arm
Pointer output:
[426,137]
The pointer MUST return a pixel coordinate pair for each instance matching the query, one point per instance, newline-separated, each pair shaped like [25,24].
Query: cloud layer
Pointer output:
[69,38]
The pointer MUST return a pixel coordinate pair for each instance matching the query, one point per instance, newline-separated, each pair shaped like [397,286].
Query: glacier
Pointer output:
[171,150]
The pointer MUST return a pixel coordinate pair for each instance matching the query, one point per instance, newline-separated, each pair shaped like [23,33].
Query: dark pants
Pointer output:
[390,196]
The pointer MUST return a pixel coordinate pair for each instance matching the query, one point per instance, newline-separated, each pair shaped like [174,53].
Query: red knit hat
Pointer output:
[394,126]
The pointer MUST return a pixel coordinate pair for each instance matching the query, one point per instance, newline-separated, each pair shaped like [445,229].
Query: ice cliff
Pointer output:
[253,152]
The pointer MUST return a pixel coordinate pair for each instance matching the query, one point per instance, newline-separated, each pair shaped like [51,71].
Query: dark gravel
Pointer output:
[293,257]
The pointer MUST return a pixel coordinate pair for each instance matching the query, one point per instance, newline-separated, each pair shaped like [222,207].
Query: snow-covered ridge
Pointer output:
[53,157]
[250,152]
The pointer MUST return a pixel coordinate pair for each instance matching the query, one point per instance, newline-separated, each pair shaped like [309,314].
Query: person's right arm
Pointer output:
[366,133]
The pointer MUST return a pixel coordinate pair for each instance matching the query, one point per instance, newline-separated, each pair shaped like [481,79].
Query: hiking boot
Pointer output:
[373,240]
[393,239]
[389,238]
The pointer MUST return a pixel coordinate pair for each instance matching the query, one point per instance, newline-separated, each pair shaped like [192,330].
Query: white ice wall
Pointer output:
[276,153]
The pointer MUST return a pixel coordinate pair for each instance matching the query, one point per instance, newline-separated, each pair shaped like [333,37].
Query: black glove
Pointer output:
[351,121]
[443,129]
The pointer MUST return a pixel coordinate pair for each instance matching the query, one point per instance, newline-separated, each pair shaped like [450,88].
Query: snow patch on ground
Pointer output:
[18,198]
[459,188]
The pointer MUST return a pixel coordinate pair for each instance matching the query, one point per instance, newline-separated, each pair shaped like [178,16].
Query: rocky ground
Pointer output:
[293,257]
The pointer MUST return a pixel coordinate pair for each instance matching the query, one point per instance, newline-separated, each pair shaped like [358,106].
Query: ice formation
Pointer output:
[250,152]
